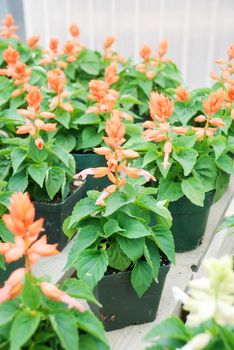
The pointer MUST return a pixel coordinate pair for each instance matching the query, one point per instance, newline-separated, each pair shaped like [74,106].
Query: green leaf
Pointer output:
[187,158]
[222,182]
[110,227]
[194,190]
[17,157]
[185,141]
[61,153]
[164,239]
[206,170]
[66,141]
[91,325]
[152,256]
[89,62]
[79,289]
[133,248]
[117,258]
[89,138]
[18,182]
[141,277]
[8,311]
[115,201]
[87,236]
[65,326]
[82,209]
[91,266]
[227,337]
[150,157]
[152,205]
[128,99]
[54,181]
[146,86]
[132,227]
[225,163]
[88,119]
[23,327]
[31,295]
[172,327]
[219,144]
[63,117]
[36,154]
[164,171]
[38,173]
[169,190]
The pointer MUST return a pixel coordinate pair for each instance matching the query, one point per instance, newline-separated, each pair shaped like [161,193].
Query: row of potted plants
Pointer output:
[57,105]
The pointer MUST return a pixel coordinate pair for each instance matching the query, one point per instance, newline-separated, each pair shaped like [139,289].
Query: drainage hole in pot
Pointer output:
[194,268]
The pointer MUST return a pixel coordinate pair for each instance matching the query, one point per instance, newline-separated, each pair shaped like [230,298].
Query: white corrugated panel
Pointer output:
[198,30]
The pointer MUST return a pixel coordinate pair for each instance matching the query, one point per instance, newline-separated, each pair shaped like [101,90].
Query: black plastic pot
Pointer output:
[121,305]
[54,215]
[91,160]
[189,222]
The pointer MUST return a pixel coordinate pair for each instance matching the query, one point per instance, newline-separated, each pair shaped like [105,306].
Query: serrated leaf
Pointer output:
[110,227]
[117,259]
[164,239]
[132,227]
[133,248]
[91,266]
[65,326]
[219,144]
[82,209]
[141,277]
[194,190]
[187,158]
[38,173]
[79,289]
[54,181]
[17,157]
[169,190]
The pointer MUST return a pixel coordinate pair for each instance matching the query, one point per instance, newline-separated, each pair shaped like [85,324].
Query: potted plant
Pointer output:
[117,251]
[210,323]
[35,313]
[192,164]
[38,164]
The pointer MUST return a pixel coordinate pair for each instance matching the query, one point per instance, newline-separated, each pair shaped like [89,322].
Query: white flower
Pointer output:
[198,342]
[211,297]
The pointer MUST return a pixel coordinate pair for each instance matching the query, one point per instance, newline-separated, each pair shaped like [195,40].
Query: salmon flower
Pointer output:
[230,94]
[21,222]
[116,158]
[8,30]
[53,55]
[182,94]
[56,82]
[33,41]
[111,74]
[13,286]
[21,76]
[11,57]
[71,51]
[211,106]
[74,30]
[108,52]
[214,103]
[163,47]
[33,122]
[52,292]
[231,52]
[160,106]
[145,52]
[159,129]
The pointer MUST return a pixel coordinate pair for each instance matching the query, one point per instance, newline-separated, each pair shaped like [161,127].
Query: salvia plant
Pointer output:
[210,322]
[36,314]
[123,227]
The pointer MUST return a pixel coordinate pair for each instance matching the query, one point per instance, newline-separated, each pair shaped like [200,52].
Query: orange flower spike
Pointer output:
[10,56]
[41,248]
[74,30]
[150,74]
[162,48]
[182,94]
[145,52]
[200,118]
[33,41]
[231,52]
[111,73]
[214,102]
[13,286]
[216,122]
[107,191]
[56,294]
[34,98]
[9,30]
[56,80]
[230,94]
[109,41]
[167,151]
[160,106]
[54,45]
[98,89]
